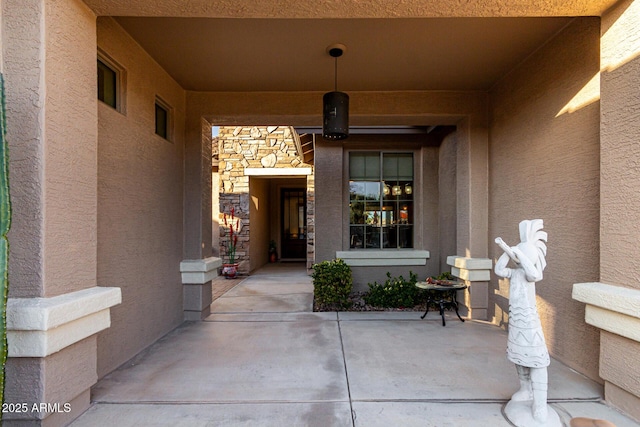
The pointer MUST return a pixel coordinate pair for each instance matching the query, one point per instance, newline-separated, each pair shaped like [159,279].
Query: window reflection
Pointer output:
[381,200]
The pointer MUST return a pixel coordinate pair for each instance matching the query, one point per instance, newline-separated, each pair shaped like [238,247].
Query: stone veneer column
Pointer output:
[475,273]
[55,307]
[311,222]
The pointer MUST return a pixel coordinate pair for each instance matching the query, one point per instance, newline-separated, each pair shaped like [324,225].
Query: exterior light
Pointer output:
[408,189]
[335,105]
[396,190]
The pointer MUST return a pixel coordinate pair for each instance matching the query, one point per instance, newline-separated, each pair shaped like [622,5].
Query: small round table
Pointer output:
[446,296]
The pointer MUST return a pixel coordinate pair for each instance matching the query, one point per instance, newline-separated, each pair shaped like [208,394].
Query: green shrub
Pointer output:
[332,284]
[395,292]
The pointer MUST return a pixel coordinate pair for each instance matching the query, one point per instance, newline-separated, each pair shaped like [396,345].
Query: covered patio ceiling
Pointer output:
[289,55]
[277,45]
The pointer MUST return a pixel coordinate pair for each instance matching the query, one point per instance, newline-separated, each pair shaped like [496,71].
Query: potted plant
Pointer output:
[230,269]
[273,251]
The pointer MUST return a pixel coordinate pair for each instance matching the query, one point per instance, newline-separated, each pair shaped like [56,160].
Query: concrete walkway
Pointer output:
[263,358]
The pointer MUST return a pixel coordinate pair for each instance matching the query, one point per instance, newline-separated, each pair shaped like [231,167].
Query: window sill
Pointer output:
[383,258]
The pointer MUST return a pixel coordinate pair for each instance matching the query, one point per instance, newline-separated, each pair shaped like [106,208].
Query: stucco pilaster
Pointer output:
[52,132]
[23,48]
[473,185]
[197,211]
[619,148]
[619,208]
[328,165]
[197,187]
[49,53]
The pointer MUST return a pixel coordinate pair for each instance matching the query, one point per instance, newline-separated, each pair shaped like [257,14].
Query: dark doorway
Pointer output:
[294,223]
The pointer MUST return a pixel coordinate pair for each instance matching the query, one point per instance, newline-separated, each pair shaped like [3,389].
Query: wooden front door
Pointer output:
[294,223]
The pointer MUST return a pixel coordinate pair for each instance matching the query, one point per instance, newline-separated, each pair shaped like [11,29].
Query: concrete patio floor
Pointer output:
[263,358]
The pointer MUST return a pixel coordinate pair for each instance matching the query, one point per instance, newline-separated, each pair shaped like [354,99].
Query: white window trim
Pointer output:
[384,258]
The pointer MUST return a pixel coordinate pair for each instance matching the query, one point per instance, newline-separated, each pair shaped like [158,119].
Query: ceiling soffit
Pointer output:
[349,8]
[288,55]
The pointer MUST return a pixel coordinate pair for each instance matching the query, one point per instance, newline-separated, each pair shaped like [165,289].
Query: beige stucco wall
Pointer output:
[52,139]
[260,231]
[215,214]
[447,211]
[620,199]
[333,207]
[620,150]
[140,204]
[328,163]
[50,76]
[544,164]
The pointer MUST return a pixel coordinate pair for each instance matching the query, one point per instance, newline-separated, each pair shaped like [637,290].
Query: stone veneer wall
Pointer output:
[311,223]
[242,147]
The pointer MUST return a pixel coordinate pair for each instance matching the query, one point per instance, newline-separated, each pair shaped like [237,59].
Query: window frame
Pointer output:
[163,105]
[120,81]
[415,242]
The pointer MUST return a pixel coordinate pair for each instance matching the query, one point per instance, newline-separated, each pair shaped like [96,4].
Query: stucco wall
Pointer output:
[140,204]
[620,150]
[259,212]
[328,165]
[620,199]
[50,75]
[447,188]
[331,225]
[52,139]
[544,164]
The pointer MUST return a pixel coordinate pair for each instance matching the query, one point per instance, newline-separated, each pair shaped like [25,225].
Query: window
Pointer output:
[380,200]
[107,84]
[112,82]
[163,119]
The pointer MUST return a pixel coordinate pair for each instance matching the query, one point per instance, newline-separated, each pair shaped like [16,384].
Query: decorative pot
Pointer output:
[230,271]
[273,256]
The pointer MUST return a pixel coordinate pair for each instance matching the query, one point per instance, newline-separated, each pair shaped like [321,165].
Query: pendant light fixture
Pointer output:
[335,124]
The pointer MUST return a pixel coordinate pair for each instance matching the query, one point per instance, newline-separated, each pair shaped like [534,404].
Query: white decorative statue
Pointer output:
[526,346]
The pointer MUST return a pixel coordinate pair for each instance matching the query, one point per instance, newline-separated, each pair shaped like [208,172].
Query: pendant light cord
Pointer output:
[336,74]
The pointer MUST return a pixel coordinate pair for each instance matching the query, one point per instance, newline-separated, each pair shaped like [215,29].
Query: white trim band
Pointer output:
[470,263]
[277,171]
[38,327]
[378,258]
[612,308]
[470,269]
[199,271]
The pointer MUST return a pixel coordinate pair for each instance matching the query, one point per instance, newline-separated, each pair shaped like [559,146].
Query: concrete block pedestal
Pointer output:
[615,310]
[475,273]
[196,279]
[52,354]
